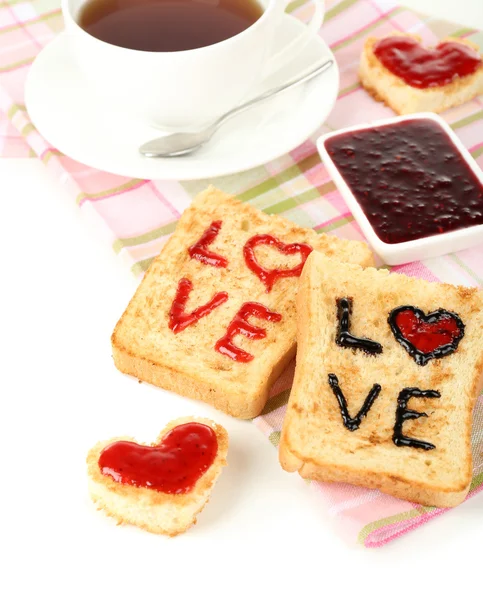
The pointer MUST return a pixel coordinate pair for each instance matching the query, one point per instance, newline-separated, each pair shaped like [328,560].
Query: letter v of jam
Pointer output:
[179,319]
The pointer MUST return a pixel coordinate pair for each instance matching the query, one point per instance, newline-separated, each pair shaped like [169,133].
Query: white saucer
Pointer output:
[71,118]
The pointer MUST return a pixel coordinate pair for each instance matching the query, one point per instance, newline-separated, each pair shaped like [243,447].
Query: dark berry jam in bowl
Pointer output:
[413,188]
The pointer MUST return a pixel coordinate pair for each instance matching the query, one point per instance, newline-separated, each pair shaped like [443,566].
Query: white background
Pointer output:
[264,534]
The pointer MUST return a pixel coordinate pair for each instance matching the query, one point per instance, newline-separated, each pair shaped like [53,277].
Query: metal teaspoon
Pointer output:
[179,144]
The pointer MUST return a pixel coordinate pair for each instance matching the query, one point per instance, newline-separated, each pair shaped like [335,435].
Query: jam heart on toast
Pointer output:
[173,466]
[270,276]
[425,337]
[422,67]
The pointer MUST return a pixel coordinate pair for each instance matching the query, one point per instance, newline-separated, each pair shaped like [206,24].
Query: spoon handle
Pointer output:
[273,91]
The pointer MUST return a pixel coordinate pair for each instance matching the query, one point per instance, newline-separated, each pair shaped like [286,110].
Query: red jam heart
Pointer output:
[173,466]
[270,276]
[426,336]
[422,67]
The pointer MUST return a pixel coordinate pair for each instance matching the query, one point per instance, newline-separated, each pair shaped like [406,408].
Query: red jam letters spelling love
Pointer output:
[426,67]
[173,466]
[424,337]
[179,319]
[241,326]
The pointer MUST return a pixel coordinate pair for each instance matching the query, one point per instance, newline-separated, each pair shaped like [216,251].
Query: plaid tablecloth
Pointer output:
[137,216]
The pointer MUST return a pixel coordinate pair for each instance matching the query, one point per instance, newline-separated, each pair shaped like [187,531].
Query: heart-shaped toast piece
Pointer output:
[270,276]
[425,337]
[159,487]
[422,67]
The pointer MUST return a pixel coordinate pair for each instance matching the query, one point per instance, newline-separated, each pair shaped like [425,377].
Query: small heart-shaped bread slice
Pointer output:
[362,410]
[112,466]
[385,85]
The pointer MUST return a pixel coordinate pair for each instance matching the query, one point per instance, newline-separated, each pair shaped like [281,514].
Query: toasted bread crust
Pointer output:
[153,511]
[187,363]
[231,400]
[403,99]
[400,487]
[368,457]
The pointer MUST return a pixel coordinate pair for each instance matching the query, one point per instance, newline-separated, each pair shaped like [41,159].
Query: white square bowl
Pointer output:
[421,248]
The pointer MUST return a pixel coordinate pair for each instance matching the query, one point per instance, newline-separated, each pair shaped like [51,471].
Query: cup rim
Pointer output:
[68,16]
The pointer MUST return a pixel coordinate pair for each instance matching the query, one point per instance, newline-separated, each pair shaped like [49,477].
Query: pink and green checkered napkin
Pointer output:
[12,143]
[137,216]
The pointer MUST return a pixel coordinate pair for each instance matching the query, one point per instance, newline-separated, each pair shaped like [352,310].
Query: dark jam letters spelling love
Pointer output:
[353,423]
[344,338]
[178,318]
[270,276]
[199,251]
[241,326]
[405,414]
[425,337]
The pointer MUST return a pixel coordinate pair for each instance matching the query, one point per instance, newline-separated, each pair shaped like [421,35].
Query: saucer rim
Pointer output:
[164,165]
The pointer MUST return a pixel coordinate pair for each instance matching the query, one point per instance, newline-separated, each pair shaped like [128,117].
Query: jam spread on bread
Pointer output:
[402,412]
[199,251]
[270,276]
[344,338]
[241,326]
[425,68]
[425,337]
[409,179]
[173,466]
[353,423]
[178,318]
[405,414]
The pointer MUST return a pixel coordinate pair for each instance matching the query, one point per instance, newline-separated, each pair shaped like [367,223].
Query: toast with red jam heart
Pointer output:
[214,317]
[159,487]
[410,77]
[388,371]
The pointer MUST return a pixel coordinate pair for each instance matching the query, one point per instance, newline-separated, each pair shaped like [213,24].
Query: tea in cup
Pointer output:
[179,64]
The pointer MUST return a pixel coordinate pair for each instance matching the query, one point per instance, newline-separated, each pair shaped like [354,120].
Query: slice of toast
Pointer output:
[187,361]
[149,509]
[322,441]
[404,99]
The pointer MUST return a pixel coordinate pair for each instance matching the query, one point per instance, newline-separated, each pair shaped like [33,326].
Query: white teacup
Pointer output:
[188,88]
